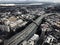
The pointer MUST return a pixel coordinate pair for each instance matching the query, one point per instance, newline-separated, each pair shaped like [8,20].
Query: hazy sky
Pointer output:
[34,0]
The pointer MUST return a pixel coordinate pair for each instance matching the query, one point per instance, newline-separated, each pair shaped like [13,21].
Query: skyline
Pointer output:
[30,0]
